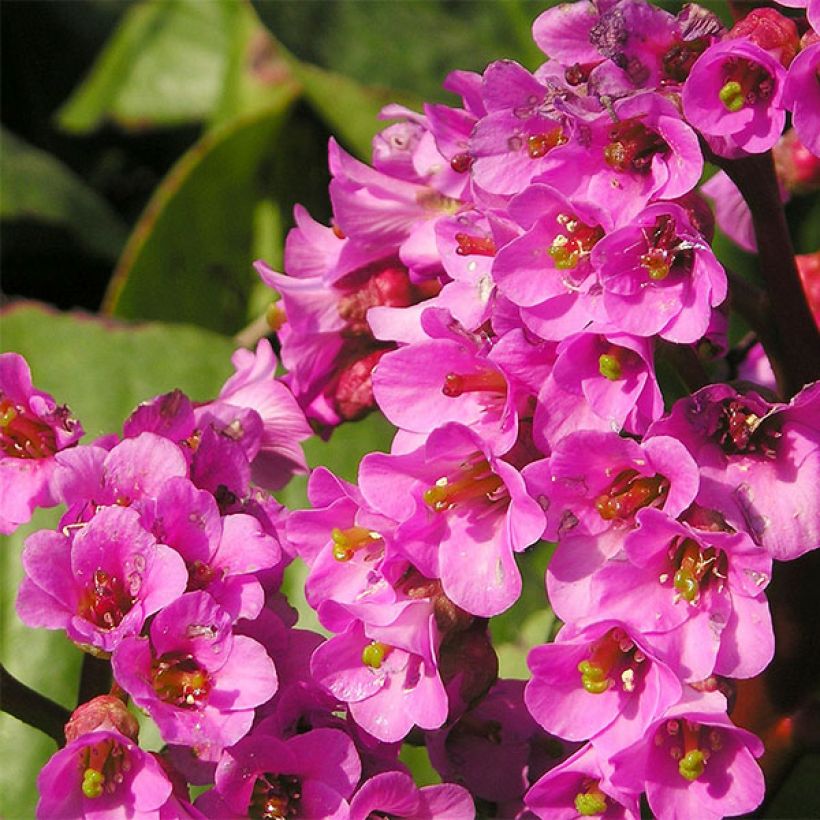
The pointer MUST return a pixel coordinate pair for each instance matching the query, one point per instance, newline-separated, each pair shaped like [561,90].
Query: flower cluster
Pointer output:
[504,282]
[501,282]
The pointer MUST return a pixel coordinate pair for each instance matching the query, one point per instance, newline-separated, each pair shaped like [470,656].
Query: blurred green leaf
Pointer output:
[101,370]
[38,187]
[799,796]
[190,256]
[164,65]
[348,108]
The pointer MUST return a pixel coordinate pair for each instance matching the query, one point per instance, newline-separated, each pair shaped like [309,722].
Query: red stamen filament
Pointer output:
[488,381]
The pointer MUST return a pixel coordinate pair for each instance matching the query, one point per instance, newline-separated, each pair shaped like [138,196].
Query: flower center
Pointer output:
[613,657]
[745,82]
[275,797]
[474,245]
[690,745]
[696,568]
[485,381]
[474,479]
[740,430]
[591,800]
[613,363]
[632,146]
[574,243]
[461,163]
[382,283]
[664,249]
[374,653]
[22,435]
[629,492]
[107,601]
[347,542]
[539,145]
[103,766]
[178,679]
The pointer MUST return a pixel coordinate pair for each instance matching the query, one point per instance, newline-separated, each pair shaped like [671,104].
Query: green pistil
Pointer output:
[7,417]
[609,367]
[374,654]
[686,584]
[589,805]
[732,97]
[593,678]
[692,764]
[92,783]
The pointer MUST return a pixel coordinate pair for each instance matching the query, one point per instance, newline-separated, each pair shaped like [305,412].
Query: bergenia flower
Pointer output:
[200,682]
[103,773]
[32,429]
[394,794]
[98,581]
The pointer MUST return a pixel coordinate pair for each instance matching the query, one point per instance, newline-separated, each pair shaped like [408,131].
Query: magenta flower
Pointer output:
[693,762]
[129,474]
[659,276]
[463,514]
[700,592]
[648,153]
[311,775]
[601,682]
[394,794]
[801,95]
[388,675]
[253,386]
[103,774]
[609,377]
[582,787]
[760,462]
[735,92]
[32,429]
[200,682]
[101,581]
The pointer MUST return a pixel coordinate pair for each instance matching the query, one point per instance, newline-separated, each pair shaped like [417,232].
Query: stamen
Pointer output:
[23,435]
[178,679]
[633,147]
[628,493]
[569,248]
[472,481]
[374,653]
[347,542]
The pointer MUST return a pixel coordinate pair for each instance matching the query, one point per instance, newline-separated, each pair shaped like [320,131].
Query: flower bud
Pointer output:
[797,168]
[770,30]
[103,712]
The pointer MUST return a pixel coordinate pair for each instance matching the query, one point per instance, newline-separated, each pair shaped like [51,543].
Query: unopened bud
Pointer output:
[770,30]
[103,712]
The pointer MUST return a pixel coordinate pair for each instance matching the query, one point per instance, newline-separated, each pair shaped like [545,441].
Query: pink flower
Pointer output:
[394,794]
[693,762]
[735,92]
[100,581]
[32,429]
[309,775]
[103,773]
[801,95]
[199,681]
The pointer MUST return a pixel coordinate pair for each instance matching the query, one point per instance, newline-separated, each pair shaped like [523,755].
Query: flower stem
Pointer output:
[792,342]
[34,709]
[95,678]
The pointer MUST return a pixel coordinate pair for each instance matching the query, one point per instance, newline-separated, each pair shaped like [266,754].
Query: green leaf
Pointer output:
[38,187]
[101,370]
[190,256]
[164,65]
[348,108]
